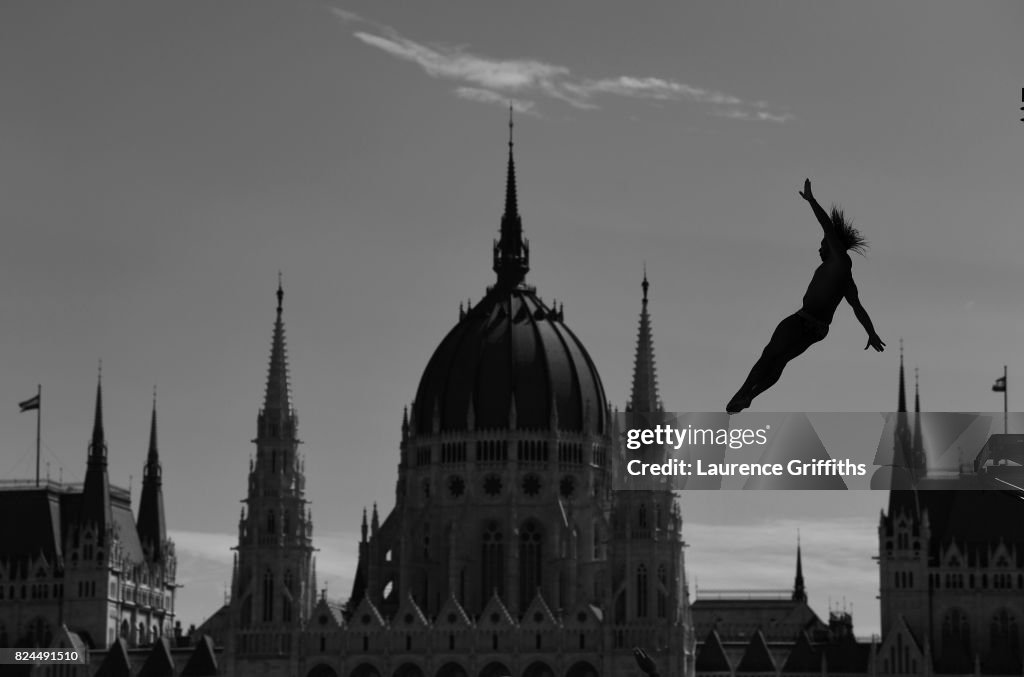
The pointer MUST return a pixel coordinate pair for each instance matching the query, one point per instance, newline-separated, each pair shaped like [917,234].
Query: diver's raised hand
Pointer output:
[806,194]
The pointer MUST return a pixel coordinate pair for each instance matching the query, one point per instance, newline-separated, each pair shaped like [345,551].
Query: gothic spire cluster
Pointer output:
[96,492]
[152,523]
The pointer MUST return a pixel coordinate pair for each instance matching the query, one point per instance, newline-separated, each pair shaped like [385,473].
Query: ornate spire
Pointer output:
[919,459]
[152,523]
[799,593]
[644,397]
[917,393]
[98,447]
[512,250]
[96,491]
[277,417]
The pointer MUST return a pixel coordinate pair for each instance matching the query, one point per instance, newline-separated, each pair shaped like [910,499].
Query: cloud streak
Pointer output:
[498,81]
[205,563]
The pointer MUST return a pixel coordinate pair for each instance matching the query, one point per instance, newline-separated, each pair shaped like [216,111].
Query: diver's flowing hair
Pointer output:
[850,237]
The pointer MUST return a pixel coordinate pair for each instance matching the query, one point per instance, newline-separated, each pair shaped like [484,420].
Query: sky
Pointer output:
[161,162]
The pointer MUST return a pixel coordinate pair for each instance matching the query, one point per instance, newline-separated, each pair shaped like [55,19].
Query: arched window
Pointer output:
[271,524]
[641,591]
[530,562]
[39,634]
[492,562]
[268,596]
[286,523]
[641,517]
[956,631]
[1005,635]
[597,541]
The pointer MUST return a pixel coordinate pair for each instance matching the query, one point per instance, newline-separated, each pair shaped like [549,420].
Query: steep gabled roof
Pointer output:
[496,614]
[757,657]
[711,656]
[802,657]
[452,613]
[409,614]
[116,663]
[539,614]
[203,660]
[159,662]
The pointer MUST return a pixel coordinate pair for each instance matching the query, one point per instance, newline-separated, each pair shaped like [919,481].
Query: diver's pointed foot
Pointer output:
[737,404]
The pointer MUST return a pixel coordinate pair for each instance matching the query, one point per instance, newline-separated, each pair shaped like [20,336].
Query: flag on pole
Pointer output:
[30,404]
[1000,385]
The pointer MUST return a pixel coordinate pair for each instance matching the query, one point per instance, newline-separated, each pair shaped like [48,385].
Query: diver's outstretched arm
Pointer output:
[853,298]
[823,218]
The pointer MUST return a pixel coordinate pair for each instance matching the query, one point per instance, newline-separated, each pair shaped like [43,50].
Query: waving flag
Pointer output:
[30,404]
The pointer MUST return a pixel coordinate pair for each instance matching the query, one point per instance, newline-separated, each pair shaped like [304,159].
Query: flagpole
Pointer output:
[39,419]
[1006,400]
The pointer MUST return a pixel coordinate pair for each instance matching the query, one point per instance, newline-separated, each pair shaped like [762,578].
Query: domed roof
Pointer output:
[511,360]
[511,357]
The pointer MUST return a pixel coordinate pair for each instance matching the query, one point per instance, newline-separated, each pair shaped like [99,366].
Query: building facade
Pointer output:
[74,555]
[507,551]
[951,573]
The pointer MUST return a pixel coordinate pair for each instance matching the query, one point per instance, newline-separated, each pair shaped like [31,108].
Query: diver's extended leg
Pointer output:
[788,341]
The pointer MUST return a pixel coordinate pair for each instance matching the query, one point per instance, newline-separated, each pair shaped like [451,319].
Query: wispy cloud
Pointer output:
[651,88]
[205,563]
[488,80]
[488,96]
[757,115]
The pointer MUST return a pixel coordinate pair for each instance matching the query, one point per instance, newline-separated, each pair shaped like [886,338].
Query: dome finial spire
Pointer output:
[511,251]
[645,284]
[280,292]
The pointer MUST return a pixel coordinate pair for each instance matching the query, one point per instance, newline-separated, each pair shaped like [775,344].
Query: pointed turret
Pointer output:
[903,471]
[96,491]
[511,250]
[278,419]
[799,592]
[903,442]
[920,462]
[151,523]
[644,396]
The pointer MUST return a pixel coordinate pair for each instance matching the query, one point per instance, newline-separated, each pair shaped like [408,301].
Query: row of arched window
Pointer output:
[531,561]
[959,581]
[36,633]
[1004,631]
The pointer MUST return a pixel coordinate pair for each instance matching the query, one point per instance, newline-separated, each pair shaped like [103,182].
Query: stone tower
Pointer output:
[273,586]
[649,603]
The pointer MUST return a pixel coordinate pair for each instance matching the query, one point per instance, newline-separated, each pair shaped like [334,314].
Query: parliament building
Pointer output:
[508,551]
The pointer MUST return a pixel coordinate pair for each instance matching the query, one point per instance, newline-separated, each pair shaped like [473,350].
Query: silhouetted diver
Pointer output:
[832,281]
